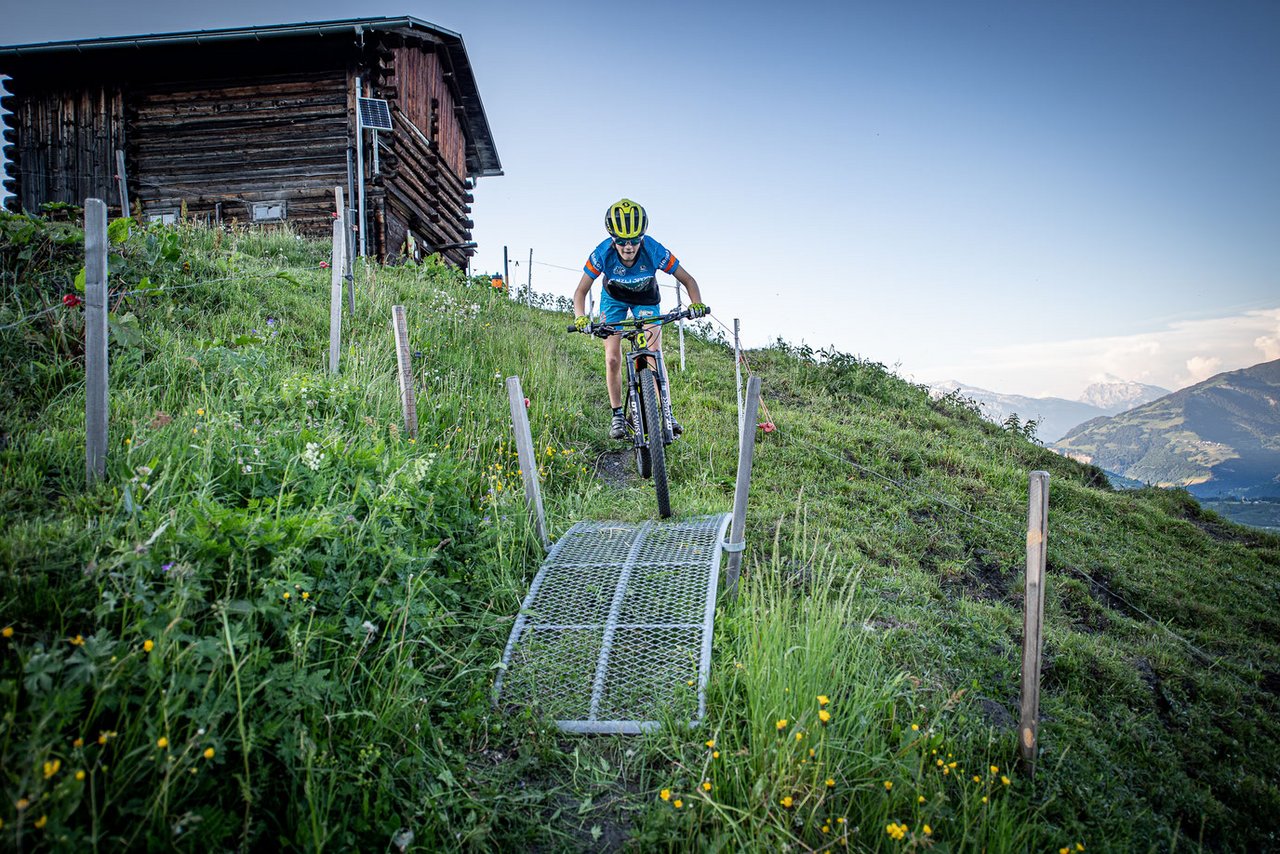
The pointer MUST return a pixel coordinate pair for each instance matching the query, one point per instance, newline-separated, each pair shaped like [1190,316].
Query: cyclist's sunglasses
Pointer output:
[628,241]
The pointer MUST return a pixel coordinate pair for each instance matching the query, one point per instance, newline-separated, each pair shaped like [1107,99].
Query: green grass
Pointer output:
[309,609]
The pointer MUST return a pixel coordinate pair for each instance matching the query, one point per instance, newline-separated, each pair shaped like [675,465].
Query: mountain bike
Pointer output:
[647,408]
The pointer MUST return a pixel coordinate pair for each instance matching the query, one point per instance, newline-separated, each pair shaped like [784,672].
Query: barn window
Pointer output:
[268,211]
[164,216]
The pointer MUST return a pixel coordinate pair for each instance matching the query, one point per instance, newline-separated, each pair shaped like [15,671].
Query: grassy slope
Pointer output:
[886,544]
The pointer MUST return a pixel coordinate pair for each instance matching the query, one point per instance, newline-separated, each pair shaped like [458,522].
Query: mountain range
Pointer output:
[1055,416]
[1220,437]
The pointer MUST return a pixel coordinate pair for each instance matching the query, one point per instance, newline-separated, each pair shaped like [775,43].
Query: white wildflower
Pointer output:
[312,456]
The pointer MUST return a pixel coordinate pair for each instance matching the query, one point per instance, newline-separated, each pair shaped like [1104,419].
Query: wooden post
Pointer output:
[335,298]
[123,181]
[341,211]
[737,373]
[528,459]
[404,361]
[528,286]
[746,453]
[1033,614]
[95,339]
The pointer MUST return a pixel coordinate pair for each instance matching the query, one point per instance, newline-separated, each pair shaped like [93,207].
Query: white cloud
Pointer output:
[1182,353]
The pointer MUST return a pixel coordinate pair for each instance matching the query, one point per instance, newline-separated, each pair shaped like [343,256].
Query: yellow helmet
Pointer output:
[625,219]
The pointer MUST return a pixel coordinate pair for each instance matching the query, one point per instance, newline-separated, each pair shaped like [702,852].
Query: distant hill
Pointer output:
[1056,416]
[1219,437]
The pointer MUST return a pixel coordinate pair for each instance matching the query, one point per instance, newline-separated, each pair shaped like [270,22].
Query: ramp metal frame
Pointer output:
[615,633]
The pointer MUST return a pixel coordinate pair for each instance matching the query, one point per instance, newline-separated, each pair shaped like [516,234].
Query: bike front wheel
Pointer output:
[649,398]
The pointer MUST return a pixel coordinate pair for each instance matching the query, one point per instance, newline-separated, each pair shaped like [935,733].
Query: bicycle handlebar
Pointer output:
[604,330]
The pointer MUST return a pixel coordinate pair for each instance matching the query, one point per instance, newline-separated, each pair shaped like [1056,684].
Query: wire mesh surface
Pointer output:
[615,634]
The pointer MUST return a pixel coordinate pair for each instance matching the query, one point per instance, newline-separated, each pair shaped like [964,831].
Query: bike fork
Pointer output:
[664,398]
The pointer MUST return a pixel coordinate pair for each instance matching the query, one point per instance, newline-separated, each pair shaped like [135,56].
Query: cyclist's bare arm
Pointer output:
[580,295]
[690,285]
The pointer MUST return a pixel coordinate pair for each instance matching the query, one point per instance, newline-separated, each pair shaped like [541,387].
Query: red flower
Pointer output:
[71,300]
[767,426]
[324,265]
[526,403]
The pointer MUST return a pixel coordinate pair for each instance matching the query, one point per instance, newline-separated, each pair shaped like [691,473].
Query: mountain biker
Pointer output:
[629,261]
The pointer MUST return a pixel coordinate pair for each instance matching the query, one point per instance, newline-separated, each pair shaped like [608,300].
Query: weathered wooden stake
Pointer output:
[1033,614]
[335,297]
[737,372]
[123,181]
[746,452]
[95,339]
[404,361]
[528,459]
[341,211]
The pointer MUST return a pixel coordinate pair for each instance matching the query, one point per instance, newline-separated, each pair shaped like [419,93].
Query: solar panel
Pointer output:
[375,113]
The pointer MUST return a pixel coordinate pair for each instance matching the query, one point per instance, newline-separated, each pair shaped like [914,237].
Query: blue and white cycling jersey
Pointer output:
[637,284]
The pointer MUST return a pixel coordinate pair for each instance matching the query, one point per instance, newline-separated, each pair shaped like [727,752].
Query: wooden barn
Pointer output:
[259,125]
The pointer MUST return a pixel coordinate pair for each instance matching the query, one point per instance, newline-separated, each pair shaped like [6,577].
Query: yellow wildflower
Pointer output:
[208,753]
[799,735]
[781,724]
[41,822]
[715,754]
[678,804]
[1004,779]
[711,742]
[984,799]
[7,631]
[995,769]
[888,784]
[826,828]
[200,411]
[786,802]
[22,804]
[665,794]
[51,768]
[920,799]
[1064,850]
[977,779]
[79,742]
[78,640]
[306,595]
[148,645]
[1079,846]
[831,783]
[162,742]
[706,785]
[811,752]
[840,820]
[915,727]
[824,716]
[79,776]
[286,594]
[823,699]
[928,831]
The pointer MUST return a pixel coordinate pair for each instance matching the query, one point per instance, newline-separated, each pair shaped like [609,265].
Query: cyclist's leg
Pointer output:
[612,311]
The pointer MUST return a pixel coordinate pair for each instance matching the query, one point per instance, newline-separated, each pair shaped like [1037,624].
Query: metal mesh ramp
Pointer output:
[615,634]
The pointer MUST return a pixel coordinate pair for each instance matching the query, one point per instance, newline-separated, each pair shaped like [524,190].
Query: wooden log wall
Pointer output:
[63,144]
[281,138]
[423,93]
[426,155]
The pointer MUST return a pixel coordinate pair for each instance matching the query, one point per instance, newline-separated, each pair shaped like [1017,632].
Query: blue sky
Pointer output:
[1020,196]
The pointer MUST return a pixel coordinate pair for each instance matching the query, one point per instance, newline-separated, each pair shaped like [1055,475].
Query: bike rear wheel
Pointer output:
[654,434]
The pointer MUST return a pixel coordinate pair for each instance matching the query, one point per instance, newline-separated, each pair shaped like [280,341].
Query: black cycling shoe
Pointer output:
[618,428]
